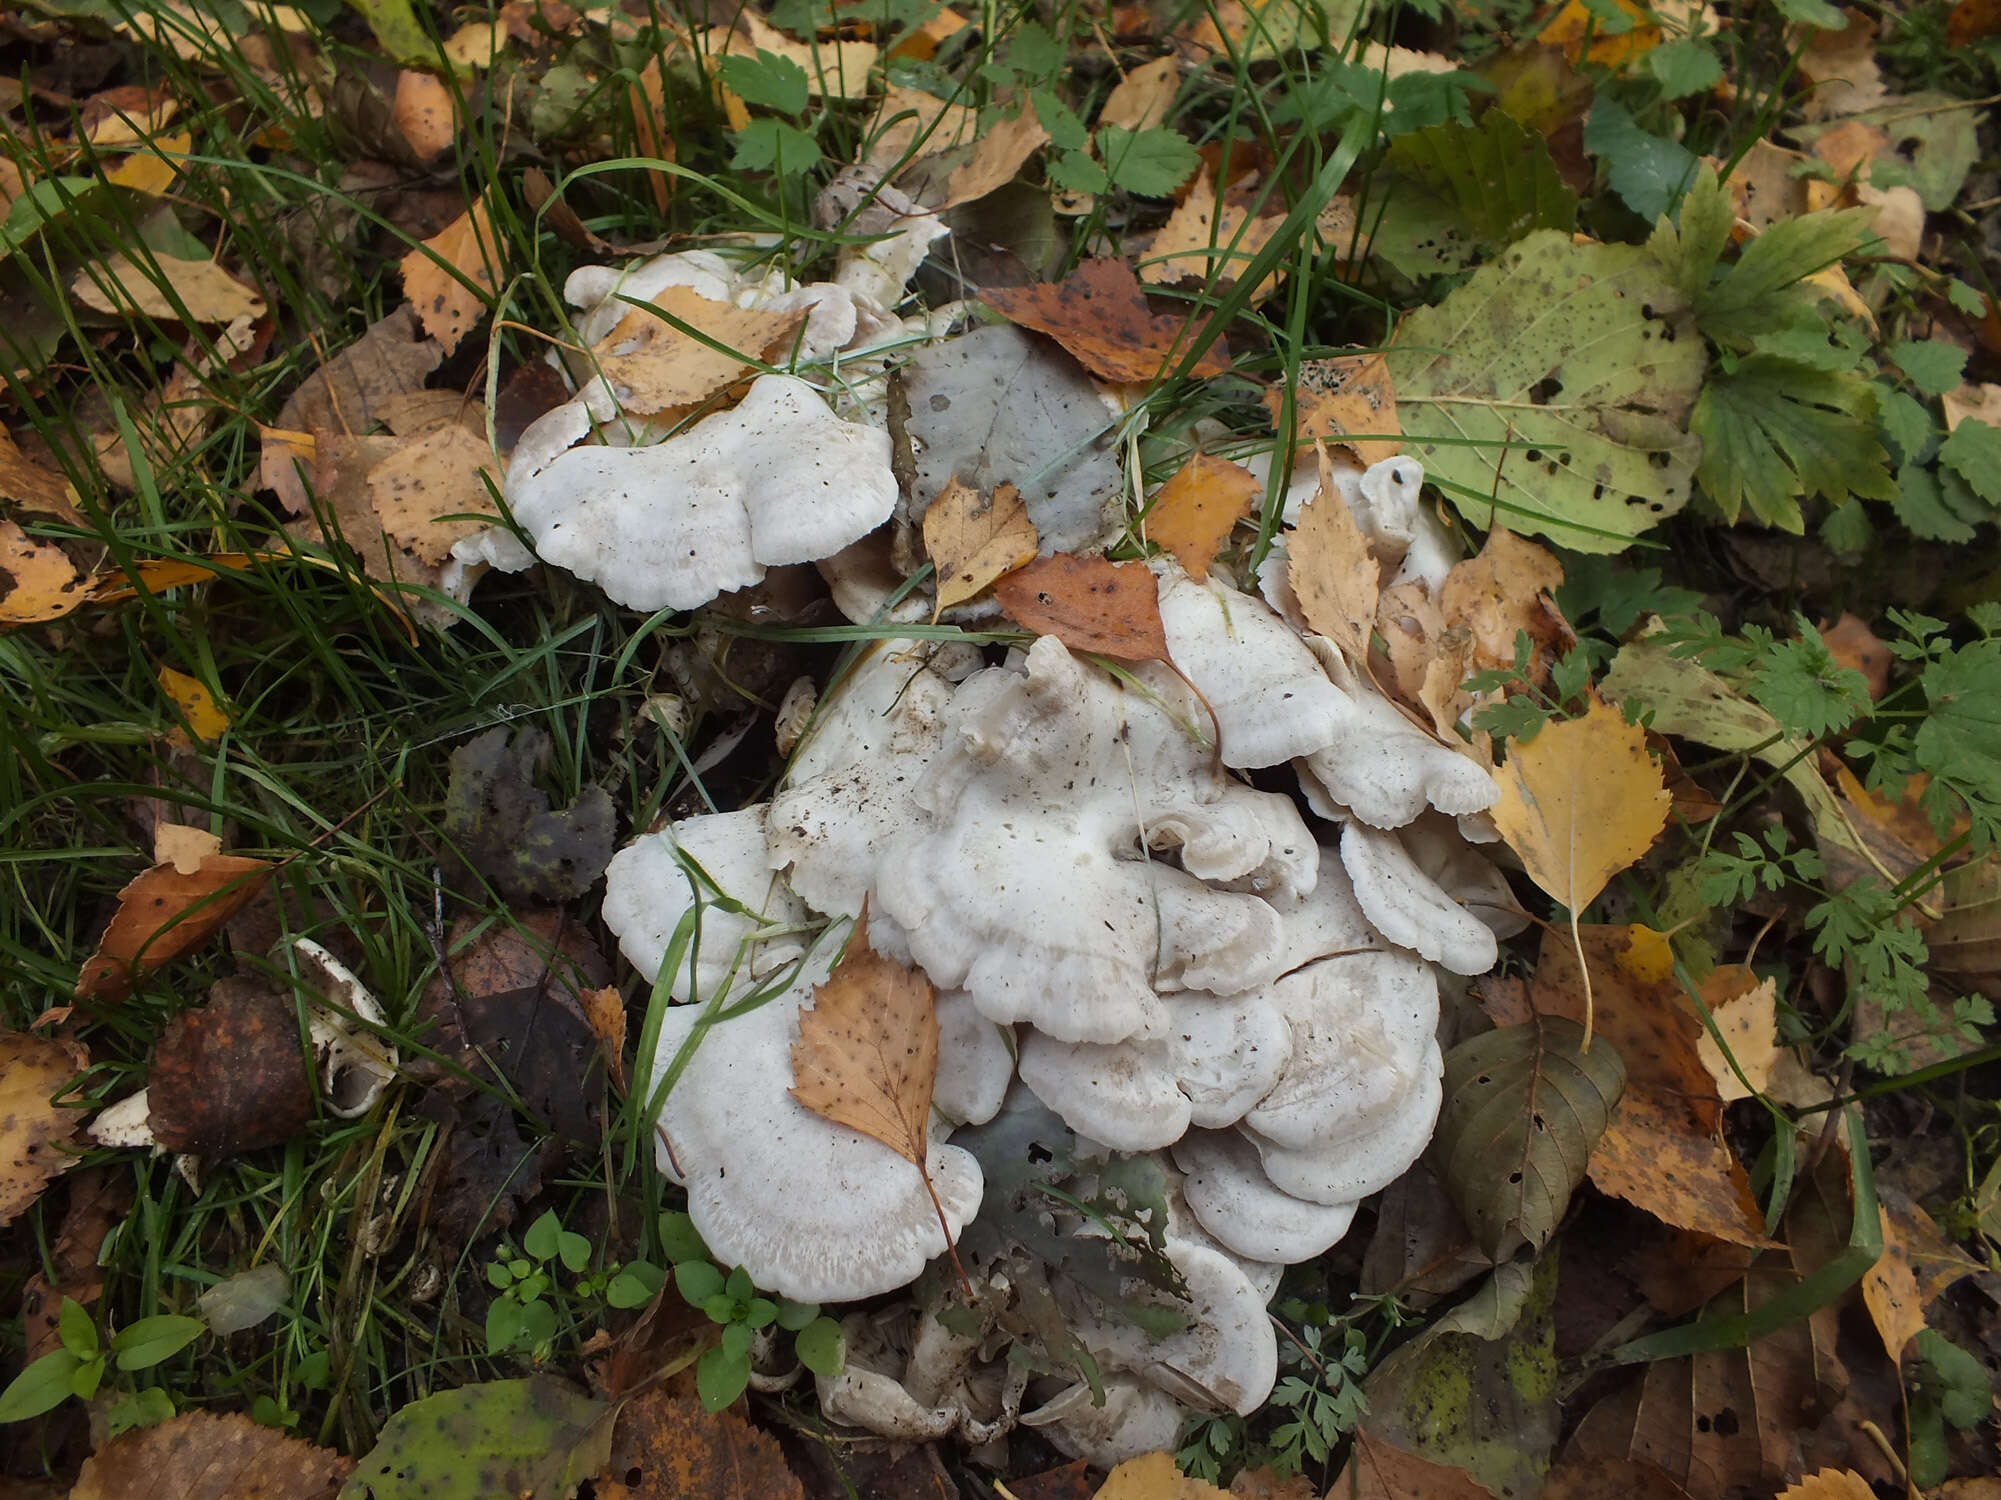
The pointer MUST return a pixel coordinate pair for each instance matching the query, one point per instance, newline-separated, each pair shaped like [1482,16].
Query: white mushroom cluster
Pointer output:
[1122,930]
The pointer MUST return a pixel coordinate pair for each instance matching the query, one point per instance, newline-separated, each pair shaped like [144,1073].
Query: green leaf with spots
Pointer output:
[1773,430]
[1551,389]
[1524,1105]
[533,1438]
[1486,1405]
[1460,189]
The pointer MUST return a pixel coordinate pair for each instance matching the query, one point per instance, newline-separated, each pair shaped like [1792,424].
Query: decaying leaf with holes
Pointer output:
[1089,604]
[34,1129]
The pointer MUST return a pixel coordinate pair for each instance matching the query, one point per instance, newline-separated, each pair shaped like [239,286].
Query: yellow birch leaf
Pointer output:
[974,539]
[657,364]
[996,159]
[448,304]
[1144,97]
[1333,573]
[1579,803]
[167,288]
[148,169]
[196,703]
[41,581]
[1743,1007]
[429,492]
[1830,1484]
[1890,1291]
[34,1129]
[1192,514]
[1153,1476]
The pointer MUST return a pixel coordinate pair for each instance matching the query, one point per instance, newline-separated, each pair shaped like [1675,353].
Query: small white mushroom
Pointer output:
[1410,908]
[975,1063]
[1135,1419]
[1351,1169]
[355,1063]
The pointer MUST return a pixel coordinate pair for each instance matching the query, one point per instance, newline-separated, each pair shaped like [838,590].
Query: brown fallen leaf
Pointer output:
[1855,645]
[198,290]
[1342,396]
[604,1009]
[1969,22]
[917,125]
[1579,803]
[1890,1291]
[451,278]
[997,157]
[1841,64]
[433,491]
[201,1456]
[973,539]
[1153,1476]
[33,487]
[1504,592]
[164,914]
[42,582]
[1100,315]
[34,1129]
[1334,574]
[657,364]
[867,1057]
[1610,1476]
[1144,97]
[1193,514]
[1204,242]
[228,1076]
[668,1448]
[1089,604]
[1379,1470]
[1849,147]
[347,392]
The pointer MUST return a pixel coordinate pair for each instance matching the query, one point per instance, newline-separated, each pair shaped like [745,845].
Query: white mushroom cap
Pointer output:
[1135,1419]
[1362,1040]
[1121,1094]
[1228,1194]
[648,891]
[1026,890]
[1326,920]
[1410,908]
[778,479]
[812,1210]
[975,1064]
[1225,1054]
[1351,1169]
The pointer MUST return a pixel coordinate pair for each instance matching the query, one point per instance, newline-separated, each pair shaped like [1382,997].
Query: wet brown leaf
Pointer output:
[229,1076]
[1605,1477]
[1089,604]
[200,1456]
[163,914]
[33,1129]
[1193,513]
[33,487]
[669,1448]
[973,539]
[1100,315]
[1855,645]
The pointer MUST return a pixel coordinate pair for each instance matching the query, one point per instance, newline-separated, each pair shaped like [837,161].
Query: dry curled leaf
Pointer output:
[1192,514]
[452,276]
[1089,604]
[1100,315]
[1334,575]
[33,1127]
[164,914]
[974,539]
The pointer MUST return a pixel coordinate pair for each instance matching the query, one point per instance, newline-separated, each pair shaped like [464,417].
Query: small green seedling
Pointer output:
[76,1366]
[733,1301]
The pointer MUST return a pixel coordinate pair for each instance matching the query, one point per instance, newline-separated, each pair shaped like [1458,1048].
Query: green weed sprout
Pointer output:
[76,1366]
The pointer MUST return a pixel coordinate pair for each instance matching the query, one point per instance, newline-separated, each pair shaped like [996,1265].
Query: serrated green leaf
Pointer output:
[1646,170]
[766,80]
[1076,172]
[1750,298]
[768,144]
[1973,452]
[1921,506]
[1906,423]
[1146,163]
[1691,245]
[1066,131]
[1034,53]
[1523,1107]
[1773,430]
[1816,13]
[1685,67]
[1848,529]
[1959,742]
[1932,365]
[1555,381]
[503,1437]
[1969,300]
[1461,189]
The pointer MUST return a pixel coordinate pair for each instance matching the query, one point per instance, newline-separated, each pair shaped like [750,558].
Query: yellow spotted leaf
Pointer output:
[40,582]
[451,277]
[196,703]
[1333,573]
[1192,514]
[974,539]
[167,288]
